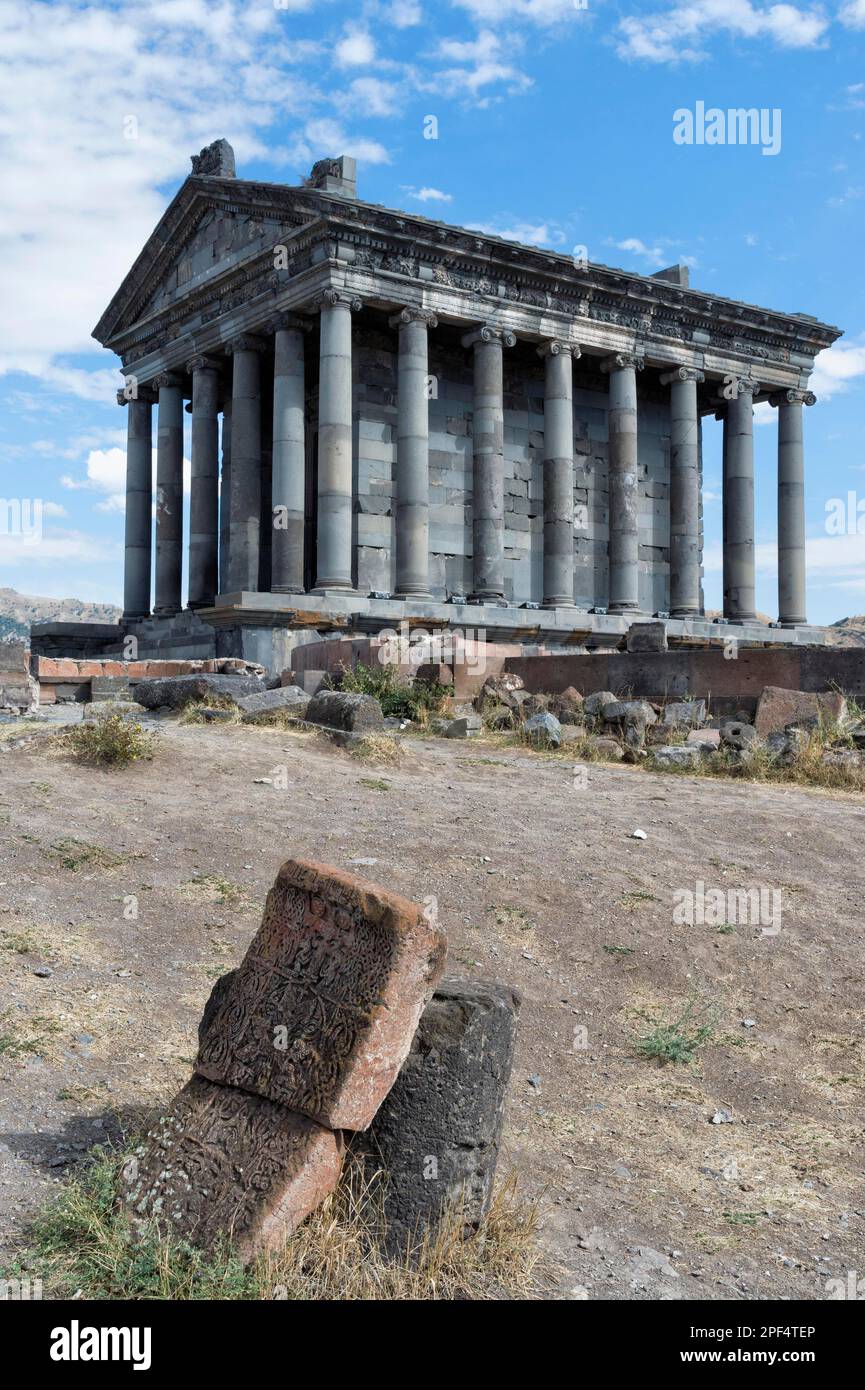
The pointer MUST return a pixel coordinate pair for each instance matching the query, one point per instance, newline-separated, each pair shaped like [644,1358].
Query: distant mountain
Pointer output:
[18,611]
[847,632]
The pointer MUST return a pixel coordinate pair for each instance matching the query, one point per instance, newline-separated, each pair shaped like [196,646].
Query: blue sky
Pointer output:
[555,126]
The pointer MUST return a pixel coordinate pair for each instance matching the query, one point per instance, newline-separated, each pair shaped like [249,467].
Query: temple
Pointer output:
[395,419]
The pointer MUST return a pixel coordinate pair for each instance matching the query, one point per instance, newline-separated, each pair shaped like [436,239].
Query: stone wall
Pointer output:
[450,464]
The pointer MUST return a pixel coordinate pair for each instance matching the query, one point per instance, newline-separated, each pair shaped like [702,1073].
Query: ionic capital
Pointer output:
[623,361]
[167,379]
[556,347]
[245,342]
[135,390]
[412,315]
[682,374]
[201,363]
[337,299]
[284,320]
[793,396]
[489,333]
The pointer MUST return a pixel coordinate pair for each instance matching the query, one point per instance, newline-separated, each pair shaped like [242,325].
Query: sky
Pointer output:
[556,125]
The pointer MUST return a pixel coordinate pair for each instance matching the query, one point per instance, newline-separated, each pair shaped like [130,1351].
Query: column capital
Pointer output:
[555,347]
[682,374]
[793,396]
[133,391]
[489,333]
[332,299]
[620,361]
[412,315]
[169,379]
[245,342]
[202,363]
[287,320]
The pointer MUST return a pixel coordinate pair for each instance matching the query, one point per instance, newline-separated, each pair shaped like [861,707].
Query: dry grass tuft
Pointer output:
[381,749]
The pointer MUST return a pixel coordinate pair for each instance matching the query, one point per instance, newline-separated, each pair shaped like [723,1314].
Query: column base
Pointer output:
[629,609]
[133,617]
[741,619]
[421,594]
[686,613]
[792,622]
[195,604]
[556,602]
[167,612]
[288,589]
[486,596]
[324,590]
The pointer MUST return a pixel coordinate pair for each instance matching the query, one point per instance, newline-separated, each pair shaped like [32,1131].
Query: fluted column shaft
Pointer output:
[225,498]
[335,482]
[169,495]
[684,491]
[738,487]
[791,505]
[289,457]
[139,502]
[245,500]
[558,473]
[412,465]
[624,544]
[488,484]
[204,484]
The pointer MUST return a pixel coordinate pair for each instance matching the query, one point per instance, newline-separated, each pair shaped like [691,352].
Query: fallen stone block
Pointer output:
[257,709]
[175,692]
[436,1138]
[320,1015]
[609,748]
[465,726]
[221,1163]
[501,689]
[677,755]
[343,709]
[629,712]
[543,729]
[691,713]
[567,706]
[705,738]
[737,735]
[593,705]
[647,637]
[777,708]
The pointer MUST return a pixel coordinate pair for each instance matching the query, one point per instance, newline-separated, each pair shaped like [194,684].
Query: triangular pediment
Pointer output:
[210,229]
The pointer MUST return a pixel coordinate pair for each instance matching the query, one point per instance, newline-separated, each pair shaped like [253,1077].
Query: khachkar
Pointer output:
[391,415]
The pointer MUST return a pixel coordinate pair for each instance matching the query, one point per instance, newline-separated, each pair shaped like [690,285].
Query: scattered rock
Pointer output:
[175,692]
[593,705]
[639,835]
[691,713]
[735,734]
[677,755]
[466,726]
[629,712]
[567,706]
[609,748]
[543,729]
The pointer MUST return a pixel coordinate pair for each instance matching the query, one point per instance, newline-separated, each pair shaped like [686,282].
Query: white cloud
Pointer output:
[60,547]
[653,254]
[528,233]
[852,14]
[836,367]
[404,14]
[680,34]
[372,96]
[541,12]
[427,195]
[356,49]
[486,60]
[325,136]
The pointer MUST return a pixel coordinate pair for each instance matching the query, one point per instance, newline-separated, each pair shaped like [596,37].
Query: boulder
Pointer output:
[289,699]
[572,733]
[849,758]
[320,1015]
[567,706]
[464,726]
[534,704]
[175,692]
[629,712]
[501,688]
[346,710]
[609,748]
[705,738]
[777,708]
[436,1138]
[543,729]
[593,705]
[223,1163]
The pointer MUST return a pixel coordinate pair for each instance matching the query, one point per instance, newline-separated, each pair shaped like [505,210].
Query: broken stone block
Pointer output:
[735,734]
[466,726]
[691,713]
[677,755]
[257,709]
[436,1137]
[629,712]
[543,729]
[705,738]
[500,688]
[567,706]
[609,748]
[221,1163]
[572,733]
[320,1014]
[593,705]
[346,710]
[174,692]
[777,708]
[647,637]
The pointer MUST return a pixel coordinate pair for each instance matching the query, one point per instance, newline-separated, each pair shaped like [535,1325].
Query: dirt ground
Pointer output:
[539,883]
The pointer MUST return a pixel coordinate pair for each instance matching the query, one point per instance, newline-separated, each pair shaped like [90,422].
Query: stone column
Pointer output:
[684,491]
[558,473]
[204,493]
[289,455]
[412,465]
[738,487]
[139,502]
[624,546]
[169,495]
[245,501]
[488,485]
[335,474]
[791,505]
[225,497]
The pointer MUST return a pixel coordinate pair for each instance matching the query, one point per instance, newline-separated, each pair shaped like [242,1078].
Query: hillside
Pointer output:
[18,611]
[848,632]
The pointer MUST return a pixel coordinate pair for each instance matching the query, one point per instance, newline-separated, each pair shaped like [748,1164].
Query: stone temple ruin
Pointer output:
[395,419]
[300,1049]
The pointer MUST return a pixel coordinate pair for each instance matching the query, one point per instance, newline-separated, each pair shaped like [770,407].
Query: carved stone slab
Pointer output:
[320,1015]
[222,1162]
